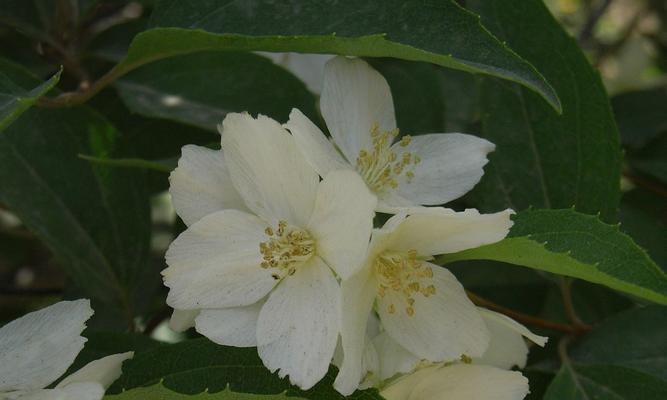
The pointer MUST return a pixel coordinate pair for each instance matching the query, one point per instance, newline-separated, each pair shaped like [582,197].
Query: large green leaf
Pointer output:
[193,366]
[568,243]
[162,393]
[543,159]
[437,32]
[623,358]
[17,93]
[200,89]
[604,382]
[641,115]
[95,220]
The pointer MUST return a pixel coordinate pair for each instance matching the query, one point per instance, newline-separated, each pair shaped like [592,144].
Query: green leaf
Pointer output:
[651,160]
[437,32]
[641,115]
[569,243]
[95,220]
[543,159]
[15,95]
[196,365]
[633,339]
[643,218]
[162,393]
[200,89]
[604,382]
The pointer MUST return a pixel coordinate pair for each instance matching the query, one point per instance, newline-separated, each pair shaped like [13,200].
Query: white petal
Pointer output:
[444,326]
[39,347]
[215,263]
[342,221]
[307,67]
[103,371]
[74,391]
[466,382]
[358,294]
[393,358]
[507,347]
[182,320]
[314,146]
[451,164]
[298,326]
[354,98]
[230,326]
[267,168]
[403,387]
[201,185]
[438,230]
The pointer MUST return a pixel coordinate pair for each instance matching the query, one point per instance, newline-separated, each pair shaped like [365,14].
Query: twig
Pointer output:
[568,304]
[647,184]
[525,318]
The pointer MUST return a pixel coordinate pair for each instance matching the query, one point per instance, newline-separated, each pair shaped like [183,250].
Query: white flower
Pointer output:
[421,305]
[265,276]
[357,106]
[307,67]
[481,378]
[37,349]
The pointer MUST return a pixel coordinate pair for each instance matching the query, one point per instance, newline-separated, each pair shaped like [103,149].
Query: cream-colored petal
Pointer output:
[436,230]
[216,262]
[235,326]
[307,67]
[103,371]
[355,97]
[403,387]
[358,294]
[74,391]
[507,347]
[201,185]
[342,221]
[444,326]
[467,381]
[182,320]
[393,358]
[39,347]
[268,169]
[451,164]
[314,146]
[298,326]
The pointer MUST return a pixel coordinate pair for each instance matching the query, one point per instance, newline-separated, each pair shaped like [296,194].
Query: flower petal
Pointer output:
[393,358]
[342,221]
[267,168]
[403,387]
[465,382]
[216,263]
[103,371]
[39,347]
[507,347]
[358,294]
[78,391]
[314,146]
[201,185]
[182,320]
[298,326]
[235,326]
[437,230]
[451,164]
[444,326]
[355,97]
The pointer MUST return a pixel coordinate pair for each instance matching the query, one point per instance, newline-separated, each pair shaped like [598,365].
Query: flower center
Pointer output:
[381,167]
[404,274]
[286,248]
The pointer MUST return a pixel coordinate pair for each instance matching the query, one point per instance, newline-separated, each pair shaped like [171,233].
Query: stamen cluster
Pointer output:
[404,274]
[286,248]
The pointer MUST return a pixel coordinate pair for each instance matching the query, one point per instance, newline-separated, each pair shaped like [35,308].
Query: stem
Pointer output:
[525,318]
[568,304]
[647,184]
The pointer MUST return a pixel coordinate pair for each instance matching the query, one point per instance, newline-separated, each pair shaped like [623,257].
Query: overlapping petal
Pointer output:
[298,326]
[355,97]
[236,326]
[103,371]
[38,348]
[216,263]
[444,326]
[201,185]
[267,168]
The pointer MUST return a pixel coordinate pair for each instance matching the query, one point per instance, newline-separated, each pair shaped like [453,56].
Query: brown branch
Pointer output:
[527,319]
[568,304]
[647,184]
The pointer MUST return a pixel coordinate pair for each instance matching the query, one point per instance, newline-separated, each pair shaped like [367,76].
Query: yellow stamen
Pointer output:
[404,274]
[286,248]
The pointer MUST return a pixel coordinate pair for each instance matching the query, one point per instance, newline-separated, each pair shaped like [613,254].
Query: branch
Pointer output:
[528,319]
